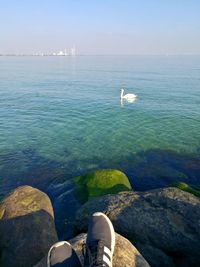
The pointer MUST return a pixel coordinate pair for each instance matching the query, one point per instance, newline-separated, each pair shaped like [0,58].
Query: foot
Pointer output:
[62,254]
[100,242]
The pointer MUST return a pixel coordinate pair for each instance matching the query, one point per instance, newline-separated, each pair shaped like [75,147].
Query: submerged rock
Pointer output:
[65,207]
[165,219]
[100,183]
[27,227]
[125,254]
[69,195]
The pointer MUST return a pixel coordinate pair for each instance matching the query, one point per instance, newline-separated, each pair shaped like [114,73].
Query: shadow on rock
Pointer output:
[125,254]
[26,239]
[27,227]
[162,223]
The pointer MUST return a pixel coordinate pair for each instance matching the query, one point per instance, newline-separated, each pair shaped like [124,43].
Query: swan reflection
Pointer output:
[130,101]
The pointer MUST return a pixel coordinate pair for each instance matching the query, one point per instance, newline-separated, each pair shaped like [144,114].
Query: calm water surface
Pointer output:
[62,116]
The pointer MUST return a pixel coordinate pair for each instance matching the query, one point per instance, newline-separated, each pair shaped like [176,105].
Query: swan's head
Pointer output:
[122,90]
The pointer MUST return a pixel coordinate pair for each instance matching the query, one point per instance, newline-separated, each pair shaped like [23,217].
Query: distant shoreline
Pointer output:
[139,55]
[37,56]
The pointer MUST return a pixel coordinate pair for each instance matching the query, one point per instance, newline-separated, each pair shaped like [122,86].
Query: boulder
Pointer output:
[157,256]
[42,262]
[166,219]
[125,254]
[27,227]
[74,192]
[101,182]
[185,187]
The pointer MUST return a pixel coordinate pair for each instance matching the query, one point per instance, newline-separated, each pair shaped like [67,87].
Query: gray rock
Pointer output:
[27,227]
[125,254]
[42,262]
[155,256]
[166,219]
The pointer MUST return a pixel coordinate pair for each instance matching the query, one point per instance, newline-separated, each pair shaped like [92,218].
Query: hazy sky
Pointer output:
[100,26]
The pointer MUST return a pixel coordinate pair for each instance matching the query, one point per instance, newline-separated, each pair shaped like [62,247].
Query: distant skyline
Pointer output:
[101,27]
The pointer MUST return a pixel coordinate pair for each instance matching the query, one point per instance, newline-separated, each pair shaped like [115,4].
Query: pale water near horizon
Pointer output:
[62,116]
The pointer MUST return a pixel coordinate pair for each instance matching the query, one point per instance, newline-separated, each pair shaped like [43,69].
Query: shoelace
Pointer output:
[93,253]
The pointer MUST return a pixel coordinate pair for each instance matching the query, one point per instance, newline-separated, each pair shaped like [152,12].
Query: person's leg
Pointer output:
[62,254]
[100,242]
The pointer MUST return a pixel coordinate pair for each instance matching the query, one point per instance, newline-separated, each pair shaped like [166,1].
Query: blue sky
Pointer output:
[100,26]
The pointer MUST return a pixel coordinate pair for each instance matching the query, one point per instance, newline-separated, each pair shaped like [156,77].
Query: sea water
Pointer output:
[62,116]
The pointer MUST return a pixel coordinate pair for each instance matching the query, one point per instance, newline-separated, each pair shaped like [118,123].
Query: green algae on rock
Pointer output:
[27,228]
[185,187]
[24,200]
[101,182]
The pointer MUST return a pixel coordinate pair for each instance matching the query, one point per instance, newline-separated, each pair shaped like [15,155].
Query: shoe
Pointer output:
[62,254]
[100,242]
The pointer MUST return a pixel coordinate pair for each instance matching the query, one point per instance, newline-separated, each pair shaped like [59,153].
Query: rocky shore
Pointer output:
[154,228]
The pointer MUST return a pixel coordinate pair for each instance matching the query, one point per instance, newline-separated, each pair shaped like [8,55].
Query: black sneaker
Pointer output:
[100,242]
[62,254]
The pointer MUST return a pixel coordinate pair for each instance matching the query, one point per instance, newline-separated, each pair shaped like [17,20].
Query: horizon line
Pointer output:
[48,55]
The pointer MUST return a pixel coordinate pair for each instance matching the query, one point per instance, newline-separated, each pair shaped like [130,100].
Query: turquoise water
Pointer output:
[62,116]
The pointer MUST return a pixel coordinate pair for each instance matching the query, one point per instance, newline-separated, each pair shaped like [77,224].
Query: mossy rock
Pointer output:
[24,200]
[101,182]
[27,227]
[185,187]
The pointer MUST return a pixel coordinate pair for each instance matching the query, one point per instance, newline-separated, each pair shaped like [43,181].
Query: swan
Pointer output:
[127,96]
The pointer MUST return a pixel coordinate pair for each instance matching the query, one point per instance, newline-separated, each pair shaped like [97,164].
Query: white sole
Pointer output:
[112,231]
[56,245]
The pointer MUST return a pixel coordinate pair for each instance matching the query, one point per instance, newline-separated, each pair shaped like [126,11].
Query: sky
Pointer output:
[101,27]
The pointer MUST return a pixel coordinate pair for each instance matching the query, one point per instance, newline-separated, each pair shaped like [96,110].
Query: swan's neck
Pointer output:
[122,92]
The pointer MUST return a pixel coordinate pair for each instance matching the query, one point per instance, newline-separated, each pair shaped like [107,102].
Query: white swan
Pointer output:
[127,96]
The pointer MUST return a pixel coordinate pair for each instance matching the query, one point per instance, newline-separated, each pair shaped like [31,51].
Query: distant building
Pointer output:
[66,54]
[73,51]
[60,53]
